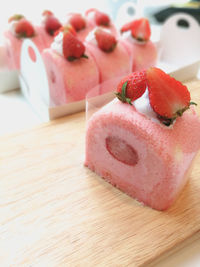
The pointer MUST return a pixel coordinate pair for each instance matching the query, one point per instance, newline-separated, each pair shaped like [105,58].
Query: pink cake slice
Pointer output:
[136,38]
[69,81]
[132,148]
[144,55]
[13,46]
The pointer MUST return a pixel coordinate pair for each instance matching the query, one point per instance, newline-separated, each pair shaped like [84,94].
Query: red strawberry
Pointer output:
[73,48]
[24,29]
[77,21]
[105,40]
[101,19]
[140,29]
[15,18]
[127,27]
[51,23]
[66,28]
[168,97]
[132,87]
[47,13]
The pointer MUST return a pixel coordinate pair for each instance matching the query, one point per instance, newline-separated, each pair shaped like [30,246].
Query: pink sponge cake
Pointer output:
[136,38]
[97,18]
[144,142]
[71,69]
[21,28]
[111,57]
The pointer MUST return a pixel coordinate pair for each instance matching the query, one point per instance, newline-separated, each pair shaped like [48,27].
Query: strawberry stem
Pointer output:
[122,96]
[193,103]
[84,56]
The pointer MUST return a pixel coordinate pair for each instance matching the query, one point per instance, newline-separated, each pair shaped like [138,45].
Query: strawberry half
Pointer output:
[127,27]
[73,48]
[24,29]
[51,23]
[77,21]
[168,97]
[140,29]
[132,87]
[105,40]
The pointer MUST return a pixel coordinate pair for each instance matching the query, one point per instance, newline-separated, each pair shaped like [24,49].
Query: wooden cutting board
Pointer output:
[56,212]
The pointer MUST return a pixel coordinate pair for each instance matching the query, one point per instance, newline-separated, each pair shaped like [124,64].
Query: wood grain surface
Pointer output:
[56,212]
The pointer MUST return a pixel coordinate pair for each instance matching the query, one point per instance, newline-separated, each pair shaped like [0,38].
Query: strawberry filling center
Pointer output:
[121,151]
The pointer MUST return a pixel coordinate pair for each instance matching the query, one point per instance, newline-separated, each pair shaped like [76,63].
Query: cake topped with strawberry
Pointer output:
[67,44]
[19,29]
[133,150]
[71,69]
[96,18]
[111,57]
[136,37]
[80,24]
[168,98]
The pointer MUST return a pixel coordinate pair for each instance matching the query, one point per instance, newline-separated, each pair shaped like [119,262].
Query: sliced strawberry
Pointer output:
[77,21]
[105,40]
[121,151]
[15,17]
[24,29]
[132,87]
[73,48]
[140,29]
[168,97]
[65,29]
[127,27]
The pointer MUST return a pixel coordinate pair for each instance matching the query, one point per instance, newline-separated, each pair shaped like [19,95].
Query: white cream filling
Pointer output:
[143,106]
[57,44]
[12,26]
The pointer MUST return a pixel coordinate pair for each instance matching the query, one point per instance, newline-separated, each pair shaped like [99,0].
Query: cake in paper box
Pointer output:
[144,141]
[73,66]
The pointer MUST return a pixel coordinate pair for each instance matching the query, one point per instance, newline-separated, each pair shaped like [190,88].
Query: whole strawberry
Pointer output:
[168,97]
[22,28]
[132,87]
[105,40]
[73,48]
[101,19]
[140,29]
[51,23]
[77,21]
